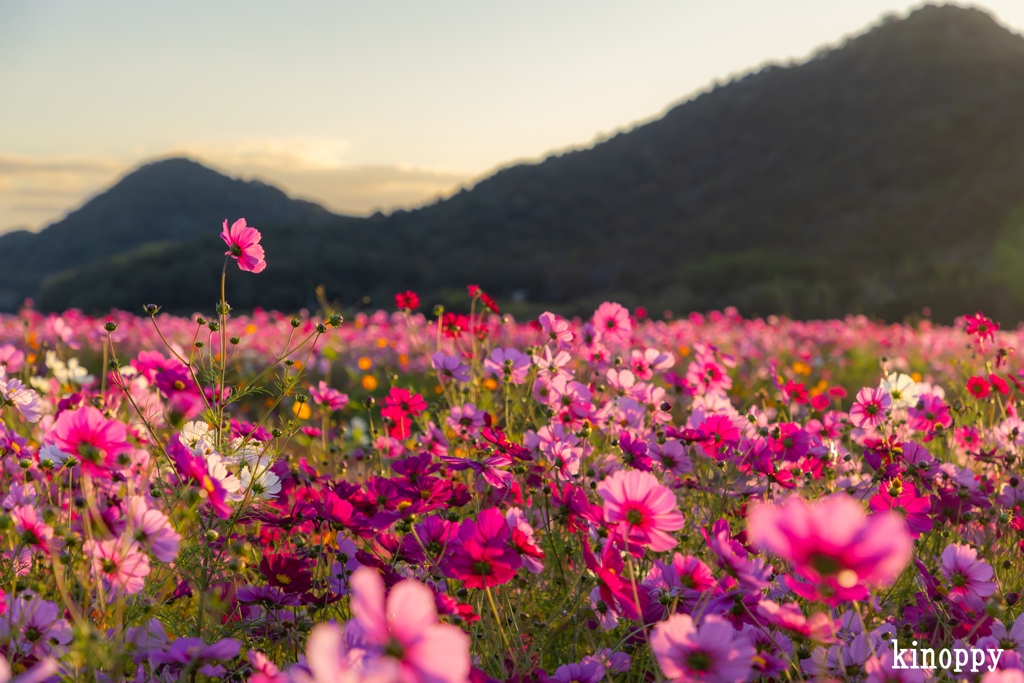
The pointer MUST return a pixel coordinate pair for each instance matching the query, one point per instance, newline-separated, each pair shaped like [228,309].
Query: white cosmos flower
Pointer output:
[267,485]
[217,469]
[249,452]
[903,389]
[194,432]
[68,373]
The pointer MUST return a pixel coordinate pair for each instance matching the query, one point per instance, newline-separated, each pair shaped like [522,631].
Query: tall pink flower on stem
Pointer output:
[244,246]
[402,632]
[94,439]
[640,510]
[968,576]
[120,563]
[712,653]
[833,545]
[868,409]
[330,398]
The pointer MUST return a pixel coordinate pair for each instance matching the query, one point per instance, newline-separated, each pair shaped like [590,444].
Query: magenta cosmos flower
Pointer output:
[96,440]
[640,510]
[968,576]
[331,399]
[244,246]
[868,410]
[713,653]
[832,544]
[403,630]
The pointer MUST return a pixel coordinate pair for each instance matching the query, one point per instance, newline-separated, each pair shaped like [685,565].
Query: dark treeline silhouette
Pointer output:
[881,176]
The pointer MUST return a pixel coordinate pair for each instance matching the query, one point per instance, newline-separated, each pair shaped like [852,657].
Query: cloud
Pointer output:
[361,190]
[316,169]
[36,191]
[291,154]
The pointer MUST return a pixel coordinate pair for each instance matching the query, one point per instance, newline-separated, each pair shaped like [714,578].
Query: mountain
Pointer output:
[172,200]
[880,176]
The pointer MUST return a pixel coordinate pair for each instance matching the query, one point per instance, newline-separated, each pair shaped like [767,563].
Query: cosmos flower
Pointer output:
[869,408]
[712,653]
[120,563]
[14,393]
[832,544]
[969,577]
[244,246]
[96,440]
[331,399]
[403,635]
[640,510]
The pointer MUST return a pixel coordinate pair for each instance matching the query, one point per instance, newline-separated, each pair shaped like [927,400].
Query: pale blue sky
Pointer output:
[369,104]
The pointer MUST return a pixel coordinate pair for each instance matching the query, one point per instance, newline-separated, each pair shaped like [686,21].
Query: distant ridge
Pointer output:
[881,176]
[171,200]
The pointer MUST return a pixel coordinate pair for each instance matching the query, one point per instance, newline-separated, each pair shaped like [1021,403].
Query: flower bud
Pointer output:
[110,326]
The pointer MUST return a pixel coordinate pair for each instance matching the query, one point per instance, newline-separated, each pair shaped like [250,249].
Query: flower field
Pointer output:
[444,497]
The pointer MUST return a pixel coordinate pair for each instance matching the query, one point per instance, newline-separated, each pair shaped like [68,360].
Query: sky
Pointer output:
[365,106]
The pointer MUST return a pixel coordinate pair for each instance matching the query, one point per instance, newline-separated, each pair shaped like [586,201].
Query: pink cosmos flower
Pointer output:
[120,563]
[33,531]
[969,577]
[523,540]
[644,364]
[11,358]
[244,246]
[509,364]
[612,323]
[556,328]
[899,497]
[14,393]
[450,367]
[789,616]
[713,653]
[722,435]
[929,412]
[35,626]
[868,409]
[153,529]
[324,395]
[792,443]
[96,440]
[484,557]
[705,375]
[832,544]
[640,510]
[403,633]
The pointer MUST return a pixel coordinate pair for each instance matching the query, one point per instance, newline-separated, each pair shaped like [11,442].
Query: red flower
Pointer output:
[981,327]
[288,573]
[405,401]
[796,392]
[453,325]
[820,402]
[476,292]
[999,384]
[407,301]
[837,392]
[978,387]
